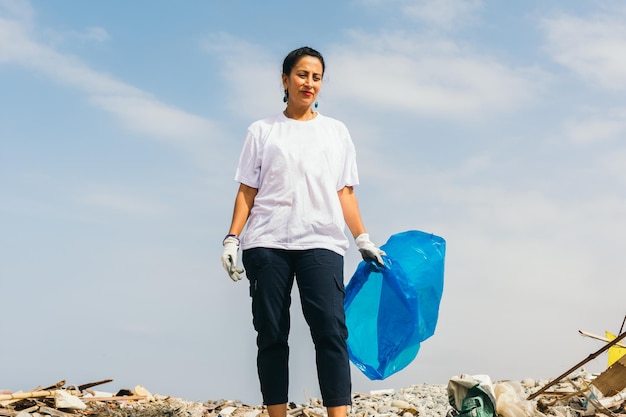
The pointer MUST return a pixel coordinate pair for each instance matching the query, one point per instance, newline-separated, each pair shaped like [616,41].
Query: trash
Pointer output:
[472,395]
[140,390]
[578,365]
[584,395]
[390,310]
[615,352]
[572,397]
[613,379]
[57,400]
[614,401]
[511,402]
[63,399]
[576,393]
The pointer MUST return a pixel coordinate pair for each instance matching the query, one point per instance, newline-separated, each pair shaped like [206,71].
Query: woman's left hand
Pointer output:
[369,251]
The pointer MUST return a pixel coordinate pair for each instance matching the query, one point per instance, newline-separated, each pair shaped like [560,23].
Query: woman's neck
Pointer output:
[303,114]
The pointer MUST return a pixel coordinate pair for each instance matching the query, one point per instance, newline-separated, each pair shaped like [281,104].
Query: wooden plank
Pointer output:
[5,402]
[52,387]
[613,380]
[593,336]
[24,395]
[93,384]
[118,398]
[54,412]
[31,409]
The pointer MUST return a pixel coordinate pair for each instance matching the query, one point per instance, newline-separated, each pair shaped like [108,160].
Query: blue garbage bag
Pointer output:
[390,310]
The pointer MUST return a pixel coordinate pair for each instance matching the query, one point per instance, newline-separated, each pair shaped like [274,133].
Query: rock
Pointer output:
[403,405]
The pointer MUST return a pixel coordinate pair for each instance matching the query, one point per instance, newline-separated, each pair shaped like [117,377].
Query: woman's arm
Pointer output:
[351,212]
[243,205]
[352,216]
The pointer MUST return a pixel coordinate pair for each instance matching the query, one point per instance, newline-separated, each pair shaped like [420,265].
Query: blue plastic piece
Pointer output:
[390,310]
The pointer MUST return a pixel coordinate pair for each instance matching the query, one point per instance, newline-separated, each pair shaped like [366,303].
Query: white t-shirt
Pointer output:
[297,167]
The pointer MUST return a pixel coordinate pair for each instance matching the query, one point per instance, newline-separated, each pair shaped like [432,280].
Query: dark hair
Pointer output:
[292,58]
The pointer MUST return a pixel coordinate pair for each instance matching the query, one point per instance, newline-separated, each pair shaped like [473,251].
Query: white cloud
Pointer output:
[592,47]
[136,108]
[530,232]
[428,77]
[21,10]
[147,115]
[253,75]
[615,164]
[443,13]
[17,46]
[57,39]
[409,73]
[596,129]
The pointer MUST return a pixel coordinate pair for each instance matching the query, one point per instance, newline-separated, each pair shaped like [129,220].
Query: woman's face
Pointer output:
[304,82]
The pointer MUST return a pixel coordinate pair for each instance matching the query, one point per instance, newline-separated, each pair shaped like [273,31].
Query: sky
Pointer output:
[499,126]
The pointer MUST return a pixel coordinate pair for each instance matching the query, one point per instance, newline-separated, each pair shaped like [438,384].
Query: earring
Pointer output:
[285,97]
[316,104]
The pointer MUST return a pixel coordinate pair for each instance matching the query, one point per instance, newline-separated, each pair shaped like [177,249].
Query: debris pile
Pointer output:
[575,396]
[61,400]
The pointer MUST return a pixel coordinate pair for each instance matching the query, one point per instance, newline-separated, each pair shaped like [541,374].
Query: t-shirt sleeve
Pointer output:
[350,174]
[249,167]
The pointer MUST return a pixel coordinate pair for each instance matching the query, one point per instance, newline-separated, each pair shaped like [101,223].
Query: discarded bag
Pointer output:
[472,395]
[390,310]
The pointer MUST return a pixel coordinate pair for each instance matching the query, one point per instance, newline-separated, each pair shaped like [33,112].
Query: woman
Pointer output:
[296,172]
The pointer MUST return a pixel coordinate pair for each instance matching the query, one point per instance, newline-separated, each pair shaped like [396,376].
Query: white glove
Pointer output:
[369,251]
[229,258]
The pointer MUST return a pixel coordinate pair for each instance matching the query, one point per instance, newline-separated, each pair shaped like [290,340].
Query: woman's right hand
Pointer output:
[230,256]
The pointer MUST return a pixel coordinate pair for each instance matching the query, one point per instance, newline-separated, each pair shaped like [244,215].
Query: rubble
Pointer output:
[575,393]
[574,396]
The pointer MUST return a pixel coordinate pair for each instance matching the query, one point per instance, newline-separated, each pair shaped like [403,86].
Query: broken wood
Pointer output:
[578,365]
[613,380]
[49,391]
[93,384]
[51,387]
[295,411]
[593,336]
[24,395]
[117,398]
[31,409]
[54,412]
